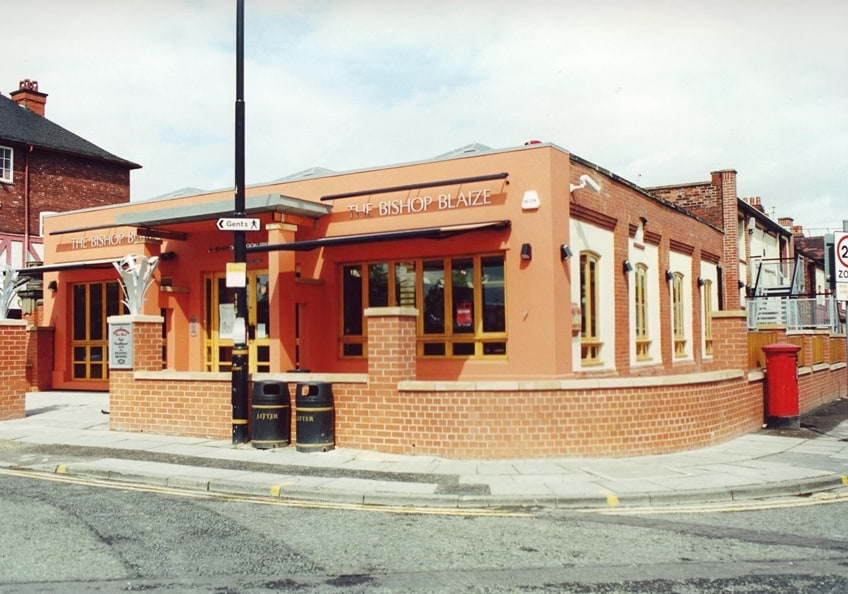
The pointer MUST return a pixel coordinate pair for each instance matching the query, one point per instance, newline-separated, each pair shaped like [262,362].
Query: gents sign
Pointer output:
[238,224]
[419,204]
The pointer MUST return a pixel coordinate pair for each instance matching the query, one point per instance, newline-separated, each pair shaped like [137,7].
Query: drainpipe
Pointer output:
[26,204]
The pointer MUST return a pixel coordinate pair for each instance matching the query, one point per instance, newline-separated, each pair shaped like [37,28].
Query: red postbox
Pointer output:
[782,409]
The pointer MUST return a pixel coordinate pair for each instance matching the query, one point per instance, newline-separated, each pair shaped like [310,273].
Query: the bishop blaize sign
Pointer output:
[238,224]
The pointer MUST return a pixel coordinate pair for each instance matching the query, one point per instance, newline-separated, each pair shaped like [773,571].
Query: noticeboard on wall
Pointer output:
[120,345]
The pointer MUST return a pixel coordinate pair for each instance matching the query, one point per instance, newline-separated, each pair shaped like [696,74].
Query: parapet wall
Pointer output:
[388,410]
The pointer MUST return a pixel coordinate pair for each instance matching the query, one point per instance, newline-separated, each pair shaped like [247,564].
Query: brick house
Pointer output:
[45,168]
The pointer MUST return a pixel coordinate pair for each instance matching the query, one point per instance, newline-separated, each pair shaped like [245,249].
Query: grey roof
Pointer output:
[474,147]
[18,124]
[311,172]
[181,193]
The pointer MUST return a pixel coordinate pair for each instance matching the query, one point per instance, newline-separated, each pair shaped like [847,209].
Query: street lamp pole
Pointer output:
[240,353]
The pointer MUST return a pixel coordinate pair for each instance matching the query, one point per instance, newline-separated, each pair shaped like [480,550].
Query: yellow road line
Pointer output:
[722,507]
[612,498]
[411,510]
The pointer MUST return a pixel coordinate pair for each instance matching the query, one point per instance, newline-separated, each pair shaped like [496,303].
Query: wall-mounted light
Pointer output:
[700,282]
[628,267]
[741,284]
[526,251]
[53,286]
[669,275]
[752,224]
[585,180]
[565,252]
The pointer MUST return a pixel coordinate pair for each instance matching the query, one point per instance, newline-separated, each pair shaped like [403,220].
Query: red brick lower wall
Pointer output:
[170,407]
[820,387]
[39,358]
[602,422]
[13,343]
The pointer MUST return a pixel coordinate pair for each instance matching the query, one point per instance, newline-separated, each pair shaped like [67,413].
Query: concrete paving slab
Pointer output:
[628,471]
[495,468]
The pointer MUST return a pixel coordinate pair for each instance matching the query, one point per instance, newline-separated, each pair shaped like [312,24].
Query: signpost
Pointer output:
[840,269]
[237,225]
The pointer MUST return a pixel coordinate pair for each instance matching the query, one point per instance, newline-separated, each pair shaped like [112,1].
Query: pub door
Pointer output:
[220,313]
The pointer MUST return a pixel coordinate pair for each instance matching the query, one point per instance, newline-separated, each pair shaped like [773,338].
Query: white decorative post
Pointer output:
[136,274]
[10,282]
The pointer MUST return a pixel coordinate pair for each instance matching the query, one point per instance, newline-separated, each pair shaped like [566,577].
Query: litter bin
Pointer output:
[782,408]
[271,420]
[315,416]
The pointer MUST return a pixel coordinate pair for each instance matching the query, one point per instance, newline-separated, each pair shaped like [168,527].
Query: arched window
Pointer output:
[708,320]
[677,311]
[590,344]
[643,341]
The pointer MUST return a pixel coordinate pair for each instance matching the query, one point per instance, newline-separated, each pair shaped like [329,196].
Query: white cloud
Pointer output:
[657,91]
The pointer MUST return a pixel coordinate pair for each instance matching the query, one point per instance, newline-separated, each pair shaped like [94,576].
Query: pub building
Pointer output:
[484,303]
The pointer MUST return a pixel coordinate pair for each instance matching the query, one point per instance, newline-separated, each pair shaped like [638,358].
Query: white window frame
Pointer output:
[10,179]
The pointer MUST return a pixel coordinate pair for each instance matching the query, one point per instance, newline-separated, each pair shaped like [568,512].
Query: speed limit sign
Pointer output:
[840,269]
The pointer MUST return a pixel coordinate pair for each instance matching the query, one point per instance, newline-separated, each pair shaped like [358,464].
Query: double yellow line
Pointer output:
[276,490]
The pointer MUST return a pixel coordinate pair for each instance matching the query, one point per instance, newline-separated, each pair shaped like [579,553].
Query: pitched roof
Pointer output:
[812,247]
[18,124]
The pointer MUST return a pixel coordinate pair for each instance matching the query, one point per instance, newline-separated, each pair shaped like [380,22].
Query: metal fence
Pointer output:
[794,313]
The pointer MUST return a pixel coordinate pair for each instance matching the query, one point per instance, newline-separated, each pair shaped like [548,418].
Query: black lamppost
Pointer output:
[240,354]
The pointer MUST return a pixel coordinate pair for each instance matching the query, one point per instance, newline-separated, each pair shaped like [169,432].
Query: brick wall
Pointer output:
[702,199]
[59,182]
[173,406]
[670,229]
[509,424]
[13,343]
[39,358]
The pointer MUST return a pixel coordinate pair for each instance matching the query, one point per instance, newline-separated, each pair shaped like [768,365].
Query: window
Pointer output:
[460,302]
[6,165]
[708,320]
[590,345]
[643,343]
[677,311]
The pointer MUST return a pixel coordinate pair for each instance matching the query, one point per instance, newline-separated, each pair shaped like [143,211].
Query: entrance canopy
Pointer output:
[192,213]
[424,233]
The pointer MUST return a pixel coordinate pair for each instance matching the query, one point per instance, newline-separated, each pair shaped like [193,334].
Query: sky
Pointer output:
[658,91]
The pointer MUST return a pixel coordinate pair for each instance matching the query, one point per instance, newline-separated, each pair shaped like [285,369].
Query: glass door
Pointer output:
[220,315]
[92,304]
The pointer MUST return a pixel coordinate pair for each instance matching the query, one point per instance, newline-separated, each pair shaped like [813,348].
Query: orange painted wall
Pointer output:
[537,291]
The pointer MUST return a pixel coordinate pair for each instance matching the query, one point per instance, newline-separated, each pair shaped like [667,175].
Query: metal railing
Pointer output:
[794,313]
[777,273]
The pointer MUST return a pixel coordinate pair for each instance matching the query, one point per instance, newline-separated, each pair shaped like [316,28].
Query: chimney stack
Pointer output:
[786,222]
[756,202]
[28,96]
[798,230]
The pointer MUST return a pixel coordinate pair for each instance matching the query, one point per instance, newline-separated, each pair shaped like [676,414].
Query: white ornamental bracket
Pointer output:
[136,273]
[10,283]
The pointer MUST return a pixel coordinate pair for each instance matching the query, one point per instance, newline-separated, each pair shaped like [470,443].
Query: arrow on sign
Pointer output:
[238,224]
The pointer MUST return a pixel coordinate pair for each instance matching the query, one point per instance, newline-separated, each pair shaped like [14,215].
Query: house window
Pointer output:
[590,344]
[677,310]
[460,303]
[643,342]
[6,165]
[708,320]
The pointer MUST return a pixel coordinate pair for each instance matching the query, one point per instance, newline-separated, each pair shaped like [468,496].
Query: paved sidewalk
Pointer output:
[66,432]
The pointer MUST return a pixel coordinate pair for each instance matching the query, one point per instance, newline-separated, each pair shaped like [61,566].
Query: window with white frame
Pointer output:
[678,325]
[6,164]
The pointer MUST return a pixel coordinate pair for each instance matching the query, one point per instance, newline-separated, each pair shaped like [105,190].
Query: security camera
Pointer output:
[585,180]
